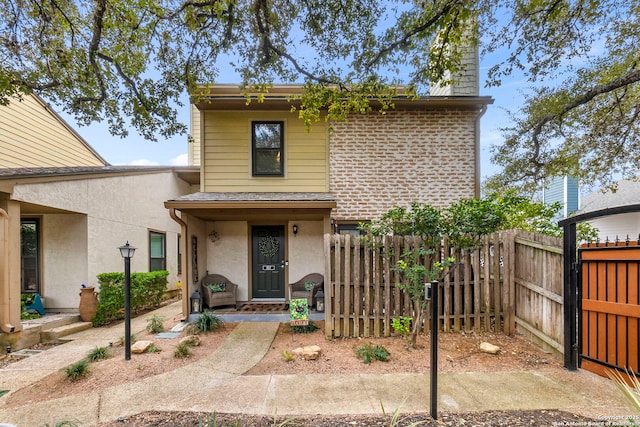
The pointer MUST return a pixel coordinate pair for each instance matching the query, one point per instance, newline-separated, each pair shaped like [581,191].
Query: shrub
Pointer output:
[402,325]
[155,324]
[153,349]
[368,353]
[287,356]
[134,338]
[305,329]
[27,299]
[77,370]
[182,350]
[147,290]
[208,322]
[98,353]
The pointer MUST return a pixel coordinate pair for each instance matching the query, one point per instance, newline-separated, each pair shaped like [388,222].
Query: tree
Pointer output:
[131,61]
[122,60]
[585,125]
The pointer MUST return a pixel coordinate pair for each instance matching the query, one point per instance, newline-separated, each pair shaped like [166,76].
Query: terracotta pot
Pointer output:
[88,304]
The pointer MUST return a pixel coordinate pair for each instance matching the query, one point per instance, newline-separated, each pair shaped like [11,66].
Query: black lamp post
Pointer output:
[431,293]
[127,252]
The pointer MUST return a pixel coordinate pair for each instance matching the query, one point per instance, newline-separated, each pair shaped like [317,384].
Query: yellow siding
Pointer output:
[227,153]
[32,136]
[194,145]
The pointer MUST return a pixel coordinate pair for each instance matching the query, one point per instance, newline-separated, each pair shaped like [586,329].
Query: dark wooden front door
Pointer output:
[268,261]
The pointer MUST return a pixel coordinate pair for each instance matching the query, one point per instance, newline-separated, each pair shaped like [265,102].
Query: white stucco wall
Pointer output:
[113,210]
[305,249]
[229,255]
[63,235]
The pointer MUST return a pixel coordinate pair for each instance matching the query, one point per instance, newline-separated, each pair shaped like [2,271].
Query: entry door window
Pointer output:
[30,255]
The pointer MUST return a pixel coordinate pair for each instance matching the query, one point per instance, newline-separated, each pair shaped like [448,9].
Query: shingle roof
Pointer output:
[627,193]
[257,197]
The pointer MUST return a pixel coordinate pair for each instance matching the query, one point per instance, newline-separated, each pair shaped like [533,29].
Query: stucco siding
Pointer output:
[229,255]
[227,154]
[306,249]
[64,236]
[96,217]
[32,136]
[378,162]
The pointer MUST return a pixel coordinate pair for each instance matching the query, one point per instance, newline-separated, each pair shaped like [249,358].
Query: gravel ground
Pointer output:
[479,419]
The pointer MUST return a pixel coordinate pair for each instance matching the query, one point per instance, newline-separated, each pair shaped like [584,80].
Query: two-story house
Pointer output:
[270,189]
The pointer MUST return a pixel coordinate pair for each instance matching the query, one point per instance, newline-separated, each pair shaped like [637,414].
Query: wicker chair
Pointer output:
[303,289]
[215,299]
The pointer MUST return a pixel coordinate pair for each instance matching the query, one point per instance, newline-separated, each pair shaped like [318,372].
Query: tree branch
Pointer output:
[622,81]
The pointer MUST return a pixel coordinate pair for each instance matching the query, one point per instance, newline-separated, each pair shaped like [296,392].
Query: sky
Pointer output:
[135,150]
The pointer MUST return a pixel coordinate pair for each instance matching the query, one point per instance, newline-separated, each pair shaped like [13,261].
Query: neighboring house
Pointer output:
[270,189]
[615,226]
[64,212]
[563,190]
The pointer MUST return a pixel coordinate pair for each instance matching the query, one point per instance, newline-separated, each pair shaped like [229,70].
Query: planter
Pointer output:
[88,304]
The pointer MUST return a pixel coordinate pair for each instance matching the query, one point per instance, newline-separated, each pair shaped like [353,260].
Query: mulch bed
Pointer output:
[477,419]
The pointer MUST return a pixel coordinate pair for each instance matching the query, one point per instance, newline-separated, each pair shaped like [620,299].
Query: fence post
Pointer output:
[570,298]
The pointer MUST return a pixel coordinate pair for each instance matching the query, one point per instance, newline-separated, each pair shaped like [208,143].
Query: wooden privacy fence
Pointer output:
[362,297]
[514,278]
[539,280]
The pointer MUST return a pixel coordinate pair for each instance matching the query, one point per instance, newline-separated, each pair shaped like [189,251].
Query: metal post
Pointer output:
[434,349]
[127,308]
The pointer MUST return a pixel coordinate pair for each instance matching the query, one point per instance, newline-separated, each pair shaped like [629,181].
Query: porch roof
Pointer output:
[233,205]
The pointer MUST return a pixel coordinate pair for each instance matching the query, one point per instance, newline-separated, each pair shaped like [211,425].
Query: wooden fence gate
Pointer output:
[609,290]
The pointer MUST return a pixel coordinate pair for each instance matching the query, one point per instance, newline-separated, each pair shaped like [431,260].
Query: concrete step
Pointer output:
[54,335]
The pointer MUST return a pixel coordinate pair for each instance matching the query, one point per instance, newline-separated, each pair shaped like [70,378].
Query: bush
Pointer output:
[182,350]
[147,290]
[77,370]
[155,324]
[369,353]
[208,322]
[98,353]
[305,329]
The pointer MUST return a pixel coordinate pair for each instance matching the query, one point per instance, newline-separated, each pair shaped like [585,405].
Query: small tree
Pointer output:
[420,263]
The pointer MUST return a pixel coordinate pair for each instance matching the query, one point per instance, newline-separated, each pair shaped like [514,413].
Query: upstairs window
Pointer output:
[267,140]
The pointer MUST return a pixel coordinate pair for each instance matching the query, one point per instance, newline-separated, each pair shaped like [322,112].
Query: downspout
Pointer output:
[5,303]
[477,177]
[184,255]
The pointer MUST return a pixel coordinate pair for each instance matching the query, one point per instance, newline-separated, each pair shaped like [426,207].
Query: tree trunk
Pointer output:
[417,323]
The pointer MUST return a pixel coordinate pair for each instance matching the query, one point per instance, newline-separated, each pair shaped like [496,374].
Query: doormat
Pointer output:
[263,307]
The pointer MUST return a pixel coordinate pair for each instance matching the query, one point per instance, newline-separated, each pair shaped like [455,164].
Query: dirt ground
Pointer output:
[456,351]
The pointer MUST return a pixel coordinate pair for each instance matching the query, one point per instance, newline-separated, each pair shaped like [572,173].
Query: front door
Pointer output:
[268,261]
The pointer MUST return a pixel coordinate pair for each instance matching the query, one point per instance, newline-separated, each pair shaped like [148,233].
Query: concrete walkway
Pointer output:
[216,384]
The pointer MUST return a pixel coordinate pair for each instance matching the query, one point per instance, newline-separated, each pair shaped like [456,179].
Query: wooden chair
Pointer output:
[307,287]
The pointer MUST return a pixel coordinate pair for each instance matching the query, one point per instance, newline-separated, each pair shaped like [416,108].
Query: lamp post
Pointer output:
[127,252]
[431,293]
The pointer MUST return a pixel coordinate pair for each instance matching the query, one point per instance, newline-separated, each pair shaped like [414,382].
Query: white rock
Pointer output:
[489,348]
[192,340]
[310,352]
[141,346]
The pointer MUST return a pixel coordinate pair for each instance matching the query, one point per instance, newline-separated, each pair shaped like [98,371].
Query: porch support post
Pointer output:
[185,265]
[10,266]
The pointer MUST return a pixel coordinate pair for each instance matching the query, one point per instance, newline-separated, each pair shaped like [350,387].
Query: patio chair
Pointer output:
[217,291]
[307,287]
